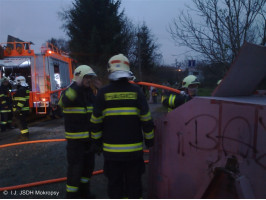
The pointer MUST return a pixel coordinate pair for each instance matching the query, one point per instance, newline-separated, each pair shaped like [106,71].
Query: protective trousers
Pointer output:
[6,120]
[80,167]
[21,121]
[124,178]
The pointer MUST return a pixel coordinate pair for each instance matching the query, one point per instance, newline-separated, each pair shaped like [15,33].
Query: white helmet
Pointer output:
[190,80]
[81,71]
[118,67]
[20,80]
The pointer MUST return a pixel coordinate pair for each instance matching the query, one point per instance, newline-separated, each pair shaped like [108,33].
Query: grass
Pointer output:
[205,91]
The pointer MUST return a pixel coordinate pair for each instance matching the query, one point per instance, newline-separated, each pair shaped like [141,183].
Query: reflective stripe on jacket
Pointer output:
[77,104]
[5,99]
[121,118]
[20,101]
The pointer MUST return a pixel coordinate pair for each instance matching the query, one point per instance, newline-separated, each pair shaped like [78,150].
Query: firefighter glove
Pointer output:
[183,93]
[149,143]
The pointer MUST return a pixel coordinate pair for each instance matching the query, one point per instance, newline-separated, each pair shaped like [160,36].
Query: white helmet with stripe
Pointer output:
[118,67]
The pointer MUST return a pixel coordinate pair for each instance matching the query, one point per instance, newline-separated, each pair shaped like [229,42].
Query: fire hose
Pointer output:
[156,85]
[45,181]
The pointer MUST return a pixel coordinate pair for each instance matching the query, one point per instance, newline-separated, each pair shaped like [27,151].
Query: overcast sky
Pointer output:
[38,21]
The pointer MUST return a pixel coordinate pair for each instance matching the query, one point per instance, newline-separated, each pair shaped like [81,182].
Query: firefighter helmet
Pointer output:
[118,67]
[20,80]
[190,80]
[81,71]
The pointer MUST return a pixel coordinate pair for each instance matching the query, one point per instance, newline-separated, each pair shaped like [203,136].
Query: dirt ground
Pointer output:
[43,161]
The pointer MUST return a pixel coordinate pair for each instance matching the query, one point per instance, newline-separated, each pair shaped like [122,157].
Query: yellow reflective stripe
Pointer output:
[121,111]
[96,135]
[145,117]
[123,147]
[2,95]
[149,135]
[27,91]
[60,103]
[84,180]
[3,102]
[96,120]
[3,123]
[24,131]
[25,108]
[120,96]
[172,100]
[77,135]
[20,105]
[5,111]
[71,94]
[79,110]
[71,188]
[89,109]
[27,97]
[19,98]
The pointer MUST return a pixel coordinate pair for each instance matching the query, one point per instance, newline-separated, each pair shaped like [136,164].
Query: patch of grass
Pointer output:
[205,91]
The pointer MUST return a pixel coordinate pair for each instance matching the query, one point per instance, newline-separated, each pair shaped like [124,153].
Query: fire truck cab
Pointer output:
[47,73]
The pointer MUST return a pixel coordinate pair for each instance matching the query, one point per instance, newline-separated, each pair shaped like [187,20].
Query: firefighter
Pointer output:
[154,94]
[21,107]
[77,103]
[120,118]
[189,90]
[5,104]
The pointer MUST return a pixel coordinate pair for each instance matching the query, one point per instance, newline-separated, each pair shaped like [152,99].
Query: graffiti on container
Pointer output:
[208,135]
[230,142]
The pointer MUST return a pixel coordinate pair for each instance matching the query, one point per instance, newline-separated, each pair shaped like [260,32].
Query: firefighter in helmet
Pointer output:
[77,103]
[189,90]
[120,119]
[21,107]
[5,104]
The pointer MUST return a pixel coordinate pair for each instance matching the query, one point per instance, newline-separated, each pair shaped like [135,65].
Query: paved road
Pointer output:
[43,161]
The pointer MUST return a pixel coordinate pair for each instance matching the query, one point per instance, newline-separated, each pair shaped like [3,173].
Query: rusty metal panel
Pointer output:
[247,71]
[199,136]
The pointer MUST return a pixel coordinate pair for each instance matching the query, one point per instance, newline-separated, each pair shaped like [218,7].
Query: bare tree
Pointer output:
[221,29]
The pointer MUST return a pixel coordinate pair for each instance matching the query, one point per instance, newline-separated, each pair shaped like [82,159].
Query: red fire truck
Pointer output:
[47,73]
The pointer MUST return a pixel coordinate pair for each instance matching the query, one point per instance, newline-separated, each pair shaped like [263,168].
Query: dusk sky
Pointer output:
[38,21]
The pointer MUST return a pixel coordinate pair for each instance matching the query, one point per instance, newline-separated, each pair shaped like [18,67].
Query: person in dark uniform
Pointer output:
[120,120]
[77,103]
[189,90]
[5,104]
[21,107]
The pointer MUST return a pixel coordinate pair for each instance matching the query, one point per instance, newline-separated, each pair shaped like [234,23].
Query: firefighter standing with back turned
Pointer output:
[5,104]
[21,107]
[120,117]
[77,103]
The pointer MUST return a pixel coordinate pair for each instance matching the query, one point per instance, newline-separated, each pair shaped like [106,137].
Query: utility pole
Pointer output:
[139,57]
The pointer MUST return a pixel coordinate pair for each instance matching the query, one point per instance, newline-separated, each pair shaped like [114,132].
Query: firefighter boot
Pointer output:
[85,191]
[23,137]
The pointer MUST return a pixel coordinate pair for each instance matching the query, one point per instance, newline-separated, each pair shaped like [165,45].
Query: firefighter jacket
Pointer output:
[20,100]
[120,117]
[77,104]
[174,100]
[5,99]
